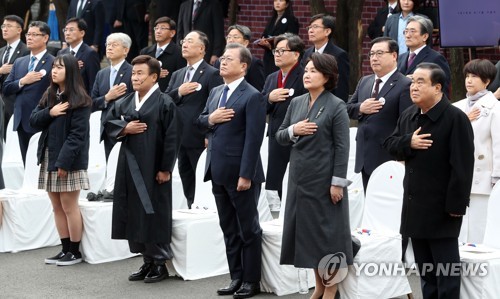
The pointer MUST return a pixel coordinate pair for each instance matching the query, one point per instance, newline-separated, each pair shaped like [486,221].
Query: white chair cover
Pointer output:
[382,244]
[109,183]
[356,200]
[12,161]
[487,254]
[263,205]
[97,158]
[179,201]
[352,153]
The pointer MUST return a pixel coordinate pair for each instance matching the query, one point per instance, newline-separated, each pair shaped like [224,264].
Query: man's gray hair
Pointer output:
[426,26]
[123,38]
[245,55]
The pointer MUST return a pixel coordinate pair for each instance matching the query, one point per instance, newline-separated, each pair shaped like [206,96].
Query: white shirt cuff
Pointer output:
[340,182]
[293,138]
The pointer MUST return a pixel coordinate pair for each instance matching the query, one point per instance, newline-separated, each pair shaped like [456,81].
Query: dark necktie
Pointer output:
[187,78]
[411,58]
[31,66]
[223,99]
[391,10]
[6,57]
[196,7]
[72,52]
[376,89]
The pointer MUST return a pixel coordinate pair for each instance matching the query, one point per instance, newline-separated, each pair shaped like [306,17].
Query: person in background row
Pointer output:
[418,35]
[63,151]
[320,32]
[28,80]
[235,117]
[483,110]
[165,50]
[189,88]
[88,59]
[317,208]
[147,125]
[12,27]
[396,23]
[133,18]
[282,20]
[376,27]
[93,13]
[242,35]
[205,16]
[436,142]
[112,82]
[376,104]
[281,87]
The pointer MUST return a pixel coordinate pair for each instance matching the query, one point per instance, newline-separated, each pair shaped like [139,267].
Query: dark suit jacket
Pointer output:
[20,51]
[342,89]
[373,129]
[94,15]
[255,73]
[29,95]
[171,59]
[101,88]
[190,106]
[132,10]
[375,27]
[208,20]
[91,64]
[426,55]
[234,147]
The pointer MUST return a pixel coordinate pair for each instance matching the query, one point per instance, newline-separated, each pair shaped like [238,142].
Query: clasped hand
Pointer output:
[221,115]
[304,127]
[370,106]
[279,95]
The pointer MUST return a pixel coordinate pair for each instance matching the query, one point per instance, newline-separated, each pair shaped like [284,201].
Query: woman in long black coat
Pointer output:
[282,21]
[317,210]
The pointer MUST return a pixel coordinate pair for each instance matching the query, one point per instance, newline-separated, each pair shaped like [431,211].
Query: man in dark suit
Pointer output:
[165,50]
[133,17]
[92,12]
[376,104]
[28,80]
[189,88]
[11,32]
[320,31]
[88,59]
[280,88]
[376,27]
[205,16]
[162,8]
[235,117]
[242,35]
[418,35]
[436,141]
[113,82]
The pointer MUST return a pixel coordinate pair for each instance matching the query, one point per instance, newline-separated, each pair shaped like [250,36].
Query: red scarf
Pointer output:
[281,82]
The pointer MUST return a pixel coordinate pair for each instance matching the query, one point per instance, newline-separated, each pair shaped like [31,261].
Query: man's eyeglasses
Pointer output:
[226,59]
[161,28]
[69,30]
[34,34]
[377,53]
[410,31]
[314,27]
[279,52]
[112,45]
[8,26]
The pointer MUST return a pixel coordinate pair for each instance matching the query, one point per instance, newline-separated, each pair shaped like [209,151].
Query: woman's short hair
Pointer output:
[483,68]
[123,38]
[326,64]
[151,62]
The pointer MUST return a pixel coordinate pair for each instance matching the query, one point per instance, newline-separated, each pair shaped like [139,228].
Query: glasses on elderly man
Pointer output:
[279,52]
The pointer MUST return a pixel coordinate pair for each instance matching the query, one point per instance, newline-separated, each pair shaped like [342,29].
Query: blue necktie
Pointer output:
[112,77]
[31,67]
[223,99]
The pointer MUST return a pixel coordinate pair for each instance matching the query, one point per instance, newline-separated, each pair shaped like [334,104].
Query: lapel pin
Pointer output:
[382,100]
[201,72]
[43,61]
[284,20]
[291,91]
[121,75]
[198,88]
[43,72]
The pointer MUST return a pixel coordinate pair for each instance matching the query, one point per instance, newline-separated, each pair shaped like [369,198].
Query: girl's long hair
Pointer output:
[74,90]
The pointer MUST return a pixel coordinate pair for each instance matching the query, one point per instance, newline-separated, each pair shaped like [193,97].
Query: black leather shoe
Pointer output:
[141,273]
[231,289]
[247,290]
[156,273]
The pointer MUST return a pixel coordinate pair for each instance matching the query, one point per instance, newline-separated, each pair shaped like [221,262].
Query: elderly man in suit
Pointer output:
[280,88]
[376,104]
[88,59]
[112,82]
[320,31]
[418,34]
[235,117]
[94,15]
[165,50]
[12,27]
[242,35]
[436,142]
[189,88]
[28,80]
[205,16]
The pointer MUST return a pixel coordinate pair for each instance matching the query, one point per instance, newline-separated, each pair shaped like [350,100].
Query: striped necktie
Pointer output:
[6,57]
[31,66]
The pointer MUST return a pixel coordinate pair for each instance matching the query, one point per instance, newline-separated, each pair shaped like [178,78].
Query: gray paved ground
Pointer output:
[24,275]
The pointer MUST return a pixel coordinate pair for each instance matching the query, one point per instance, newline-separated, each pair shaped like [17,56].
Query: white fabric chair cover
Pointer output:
[179,201]
[263,206]
[488,254]
[352,153]
[97,157]
[109,182]
[381,217]
[28,218]
[356,200]
[203,196]
[12,161]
